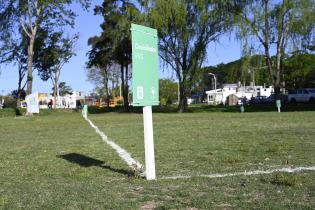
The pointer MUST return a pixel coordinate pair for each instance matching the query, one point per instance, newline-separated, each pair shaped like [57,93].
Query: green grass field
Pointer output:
[57,161]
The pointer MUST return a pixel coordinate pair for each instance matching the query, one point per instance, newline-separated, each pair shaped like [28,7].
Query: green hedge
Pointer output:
[12,112]
[8,112]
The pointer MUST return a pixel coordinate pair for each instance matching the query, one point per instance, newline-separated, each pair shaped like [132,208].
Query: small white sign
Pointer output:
[152,92]
[32,103]
[140,92]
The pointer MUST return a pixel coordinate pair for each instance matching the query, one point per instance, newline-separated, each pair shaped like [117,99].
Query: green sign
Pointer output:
[278,102]
[85,108]
[145,63]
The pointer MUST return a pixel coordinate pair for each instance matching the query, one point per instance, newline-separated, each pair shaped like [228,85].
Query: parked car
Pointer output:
[243,101]
[302,95]
[270,99]
[258,100]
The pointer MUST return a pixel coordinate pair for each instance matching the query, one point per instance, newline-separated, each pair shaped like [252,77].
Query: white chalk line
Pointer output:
[246,173]
[121,152]
[137,165]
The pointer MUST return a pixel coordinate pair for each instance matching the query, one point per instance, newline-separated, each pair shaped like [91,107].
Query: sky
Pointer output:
[74,73]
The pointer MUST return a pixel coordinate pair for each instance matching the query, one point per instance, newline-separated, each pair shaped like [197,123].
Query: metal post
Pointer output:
[149,143]
[215,86]
[178,92]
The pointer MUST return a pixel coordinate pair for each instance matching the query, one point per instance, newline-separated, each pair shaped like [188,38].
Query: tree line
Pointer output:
[32,37]
[274,30]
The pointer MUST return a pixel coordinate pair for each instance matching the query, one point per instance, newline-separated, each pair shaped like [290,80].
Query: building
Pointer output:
[219,96]
[69,101]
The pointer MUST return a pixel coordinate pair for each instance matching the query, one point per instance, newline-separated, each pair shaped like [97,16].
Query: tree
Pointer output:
[15,51]
[100,62]
[100,77]
[57,51]
[114,44]
[277,26]
[185,29]
[31,15]
[64,89]
[249,69]
[21,60]
[18,94]
[300,71]
[168,91]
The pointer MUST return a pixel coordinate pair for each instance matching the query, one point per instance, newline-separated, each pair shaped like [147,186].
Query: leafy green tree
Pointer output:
[31,16]
[246,70]
[168,90]
[18,95]
[277,26]
[100,63]
[56,52]
[300,71]
[185,29]
[15,52]
[114,43]
[64,89]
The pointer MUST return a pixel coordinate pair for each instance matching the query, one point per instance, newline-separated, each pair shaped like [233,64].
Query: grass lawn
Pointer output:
[57,161]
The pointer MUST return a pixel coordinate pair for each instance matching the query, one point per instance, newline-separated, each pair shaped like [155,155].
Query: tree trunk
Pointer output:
[19,93]
[30,55]
[126,90]
[277,77]
[122,85]
[183,105]
[107,97]
[18,100]
[55,94]
[105,81]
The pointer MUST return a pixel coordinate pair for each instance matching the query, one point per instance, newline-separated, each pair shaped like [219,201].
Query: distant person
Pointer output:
[79,105]
[244,100]
[50,104]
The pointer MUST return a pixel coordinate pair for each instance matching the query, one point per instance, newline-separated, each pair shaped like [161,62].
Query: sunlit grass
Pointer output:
[59,162]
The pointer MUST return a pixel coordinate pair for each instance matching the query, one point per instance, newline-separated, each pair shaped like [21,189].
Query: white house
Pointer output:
[68,101]
[219,96]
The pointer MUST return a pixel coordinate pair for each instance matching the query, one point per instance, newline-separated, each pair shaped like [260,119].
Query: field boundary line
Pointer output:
[245,173]
[123,154]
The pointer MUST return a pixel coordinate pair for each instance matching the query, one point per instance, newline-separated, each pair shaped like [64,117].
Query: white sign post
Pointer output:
[145,82]
[148,143]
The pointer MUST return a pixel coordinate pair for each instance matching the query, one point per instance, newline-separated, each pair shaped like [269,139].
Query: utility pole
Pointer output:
[215,86]
[178,93]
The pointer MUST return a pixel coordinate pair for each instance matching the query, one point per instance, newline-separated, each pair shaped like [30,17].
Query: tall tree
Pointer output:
[58,50]
[185,29]
[15,52]
[115,42]
[31,15]
[64,89]
[168,91]
[300,71]
[20,59]
[278,26]
[100,62]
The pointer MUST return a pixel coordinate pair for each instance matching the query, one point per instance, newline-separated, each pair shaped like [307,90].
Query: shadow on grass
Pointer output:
[85,161]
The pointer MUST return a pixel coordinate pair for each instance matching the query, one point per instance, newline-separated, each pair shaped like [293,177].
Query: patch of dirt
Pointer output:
[149,206]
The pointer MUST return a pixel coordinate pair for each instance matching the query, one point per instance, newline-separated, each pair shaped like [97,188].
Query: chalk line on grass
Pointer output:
[121,152]
[245,173]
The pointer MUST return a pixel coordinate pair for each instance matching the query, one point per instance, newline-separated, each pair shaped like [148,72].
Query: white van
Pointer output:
[302,95]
